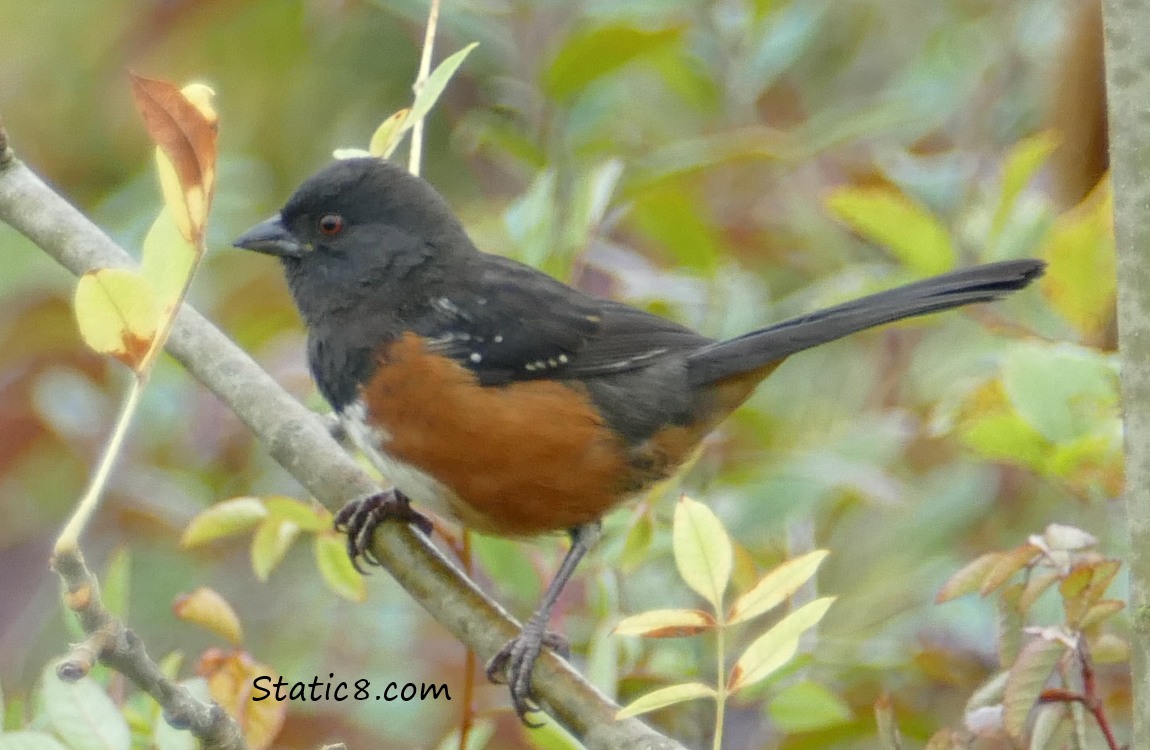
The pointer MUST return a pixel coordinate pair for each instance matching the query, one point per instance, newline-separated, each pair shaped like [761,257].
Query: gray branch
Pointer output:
[297,439]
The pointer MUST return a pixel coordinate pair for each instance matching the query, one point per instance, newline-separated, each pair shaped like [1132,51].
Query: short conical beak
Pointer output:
[270,237]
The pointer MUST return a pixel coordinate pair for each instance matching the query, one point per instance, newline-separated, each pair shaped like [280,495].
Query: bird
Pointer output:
[502,398]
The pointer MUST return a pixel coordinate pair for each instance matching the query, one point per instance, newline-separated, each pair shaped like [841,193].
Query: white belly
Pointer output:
[420,487]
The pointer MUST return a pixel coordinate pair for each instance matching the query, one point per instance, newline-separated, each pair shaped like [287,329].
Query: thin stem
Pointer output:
[70,536]
[415,156]
[720,677]
[467,717]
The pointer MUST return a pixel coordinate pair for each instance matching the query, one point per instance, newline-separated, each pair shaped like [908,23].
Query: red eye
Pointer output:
[331,224]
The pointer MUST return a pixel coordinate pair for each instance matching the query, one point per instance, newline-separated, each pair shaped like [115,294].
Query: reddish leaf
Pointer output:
[969,578]
[1009,564]
[230,679]
[184,128]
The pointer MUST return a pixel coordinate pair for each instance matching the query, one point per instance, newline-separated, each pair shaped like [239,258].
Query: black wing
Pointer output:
[511,322]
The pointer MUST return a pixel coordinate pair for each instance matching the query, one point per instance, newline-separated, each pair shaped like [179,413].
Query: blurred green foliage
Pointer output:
[679,154]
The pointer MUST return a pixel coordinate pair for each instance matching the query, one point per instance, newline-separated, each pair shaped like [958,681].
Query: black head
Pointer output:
[360,230]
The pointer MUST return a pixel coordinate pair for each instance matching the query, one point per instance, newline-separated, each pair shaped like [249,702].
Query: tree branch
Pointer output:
[1127,32]
[297,439]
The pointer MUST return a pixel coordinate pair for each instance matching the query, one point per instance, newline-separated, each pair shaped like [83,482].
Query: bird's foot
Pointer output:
[360,518]
[516,660]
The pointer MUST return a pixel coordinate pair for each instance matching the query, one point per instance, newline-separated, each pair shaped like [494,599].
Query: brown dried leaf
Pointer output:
[183,126]
[230,677]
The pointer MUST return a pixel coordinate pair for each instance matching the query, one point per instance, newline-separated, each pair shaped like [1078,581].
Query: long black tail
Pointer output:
[757,348]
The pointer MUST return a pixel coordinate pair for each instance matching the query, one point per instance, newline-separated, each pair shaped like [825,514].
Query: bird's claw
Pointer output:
[514,663]
[359,519]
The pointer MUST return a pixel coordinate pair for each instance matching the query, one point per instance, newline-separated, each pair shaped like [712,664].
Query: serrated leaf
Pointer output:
[806,707]
[183,127]
[309,516]
[433,87]
[389,134]
[1006,566]
[969,578]
[1024,160]
[590,55]
[223,519]
[889,218]
[1101,612]
[1081,273]
[702,550]
[777,646]
[230,679]
[81,715]
[666,623]
[335,566]
[208,609]
[30,741]
[117,313]
[273,538]
[664,697]
[1027,676]
[776,586]
[167,261]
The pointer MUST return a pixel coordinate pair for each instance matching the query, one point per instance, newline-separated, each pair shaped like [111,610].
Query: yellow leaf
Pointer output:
[117,314]
[335,566]
[168,259]
[1081,275]
[777,646]
[666,623]
[664,697]
[702,550]
[209,610]
[1023,161]
[887,217]
[776,586]
[271,542]
[231,677]
[223,519]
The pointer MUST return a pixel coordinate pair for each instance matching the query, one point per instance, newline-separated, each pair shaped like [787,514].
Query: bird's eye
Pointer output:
[331,224]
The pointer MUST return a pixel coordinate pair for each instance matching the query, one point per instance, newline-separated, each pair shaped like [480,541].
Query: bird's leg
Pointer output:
[515,661]
[360,518]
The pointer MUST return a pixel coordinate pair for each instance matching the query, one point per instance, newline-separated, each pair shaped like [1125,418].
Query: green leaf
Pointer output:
[590,55]
[271,542]
[435,84]
[309,516]
[664,697]
[1052,728]
[806,707]
[30,741]
[1061,390]
[666,623]
[777,646]
[1027,678]
[335,566]
[223,519]
[1081,274]
[477,739]
[889,218]
[389,134]
[117,313]
[1023,161]
[776,586]
[702,550]
[81,714]
[969,578]
[1006,437]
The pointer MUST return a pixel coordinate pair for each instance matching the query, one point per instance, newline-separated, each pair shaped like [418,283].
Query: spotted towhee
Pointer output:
[503,398]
